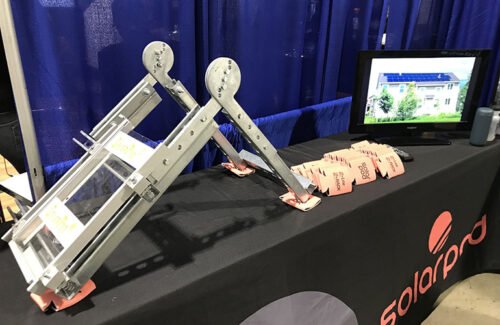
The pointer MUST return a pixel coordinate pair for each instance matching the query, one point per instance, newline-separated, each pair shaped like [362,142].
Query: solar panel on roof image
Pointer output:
[417,90]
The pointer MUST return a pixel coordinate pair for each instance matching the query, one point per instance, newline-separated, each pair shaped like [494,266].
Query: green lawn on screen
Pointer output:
[441,118]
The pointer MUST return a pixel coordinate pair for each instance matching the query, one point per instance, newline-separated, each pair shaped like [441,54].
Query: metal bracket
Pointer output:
[220,77]
[158,59]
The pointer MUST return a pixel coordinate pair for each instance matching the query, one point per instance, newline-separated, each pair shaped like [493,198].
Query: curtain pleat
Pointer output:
[447,24]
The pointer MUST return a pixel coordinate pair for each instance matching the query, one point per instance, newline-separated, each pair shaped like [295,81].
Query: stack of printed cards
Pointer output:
[336,173]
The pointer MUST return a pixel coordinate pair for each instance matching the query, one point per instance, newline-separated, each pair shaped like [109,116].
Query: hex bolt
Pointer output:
[146,92]
[159,64]
[157,52]
[165,161]
[149,195]
[204,118]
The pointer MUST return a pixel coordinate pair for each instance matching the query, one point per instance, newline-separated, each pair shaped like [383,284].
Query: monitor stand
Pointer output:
[422,139]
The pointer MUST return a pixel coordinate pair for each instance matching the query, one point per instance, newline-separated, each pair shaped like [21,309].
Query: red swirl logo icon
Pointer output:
[439,232]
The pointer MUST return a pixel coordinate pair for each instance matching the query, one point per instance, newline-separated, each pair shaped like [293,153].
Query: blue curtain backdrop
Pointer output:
[81,57]
[447,24]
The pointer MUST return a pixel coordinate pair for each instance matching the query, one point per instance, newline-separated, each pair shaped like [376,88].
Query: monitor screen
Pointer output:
[417,90]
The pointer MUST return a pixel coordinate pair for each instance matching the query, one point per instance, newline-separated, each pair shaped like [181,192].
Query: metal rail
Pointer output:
[9,37]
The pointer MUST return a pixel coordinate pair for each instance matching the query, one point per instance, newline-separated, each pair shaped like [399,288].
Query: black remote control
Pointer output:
[405,156]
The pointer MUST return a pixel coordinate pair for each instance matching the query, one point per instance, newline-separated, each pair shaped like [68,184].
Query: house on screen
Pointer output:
[437,91]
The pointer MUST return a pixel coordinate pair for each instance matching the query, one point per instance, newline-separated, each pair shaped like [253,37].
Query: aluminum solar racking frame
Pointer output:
[58,249]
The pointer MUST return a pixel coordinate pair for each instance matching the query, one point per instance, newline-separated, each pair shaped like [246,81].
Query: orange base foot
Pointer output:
[49,298]
[290,199]
[241,173]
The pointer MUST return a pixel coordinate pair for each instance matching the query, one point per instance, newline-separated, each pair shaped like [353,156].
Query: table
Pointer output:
[217,248]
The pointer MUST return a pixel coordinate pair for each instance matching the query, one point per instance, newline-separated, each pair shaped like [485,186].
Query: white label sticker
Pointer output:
[61,222]
[131,150]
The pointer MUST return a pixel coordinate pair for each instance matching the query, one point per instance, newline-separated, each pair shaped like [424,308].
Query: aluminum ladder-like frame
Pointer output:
[73,266]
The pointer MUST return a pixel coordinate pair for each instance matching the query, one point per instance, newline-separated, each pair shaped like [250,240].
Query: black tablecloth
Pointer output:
[217,248]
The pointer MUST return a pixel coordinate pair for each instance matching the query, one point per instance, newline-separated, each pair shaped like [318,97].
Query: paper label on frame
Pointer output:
[130,150]
[63,224]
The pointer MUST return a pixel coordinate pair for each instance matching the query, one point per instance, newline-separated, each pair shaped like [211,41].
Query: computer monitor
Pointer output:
[399,95]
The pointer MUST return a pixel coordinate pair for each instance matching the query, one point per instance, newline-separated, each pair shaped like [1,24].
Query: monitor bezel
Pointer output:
[358,105]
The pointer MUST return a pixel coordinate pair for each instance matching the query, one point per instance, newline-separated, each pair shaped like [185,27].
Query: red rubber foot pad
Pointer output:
[290,199]
[49,298]
[241,173]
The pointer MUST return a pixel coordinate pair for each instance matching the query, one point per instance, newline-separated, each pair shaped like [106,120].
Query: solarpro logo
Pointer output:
[445,262]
